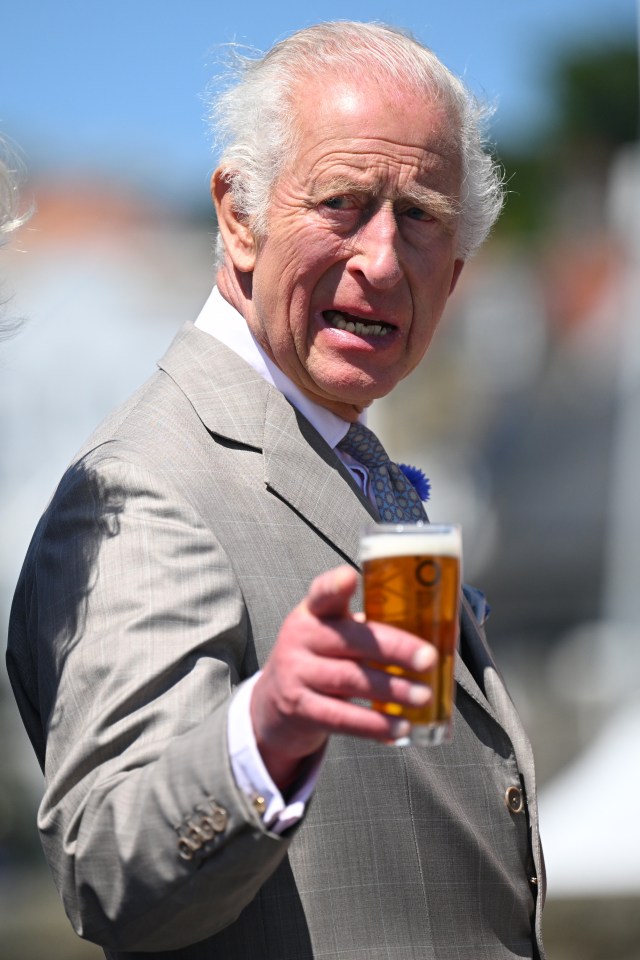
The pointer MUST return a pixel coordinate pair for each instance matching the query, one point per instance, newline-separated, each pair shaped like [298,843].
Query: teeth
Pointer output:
[340,321]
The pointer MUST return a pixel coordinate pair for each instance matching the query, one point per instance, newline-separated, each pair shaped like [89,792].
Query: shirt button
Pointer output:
[514,800]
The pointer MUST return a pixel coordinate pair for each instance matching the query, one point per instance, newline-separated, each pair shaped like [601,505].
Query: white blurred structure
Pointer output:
[589,813]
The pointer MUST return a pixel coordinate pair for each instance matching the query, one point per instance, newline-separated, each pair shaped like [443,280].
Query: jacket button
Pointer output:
[514,799]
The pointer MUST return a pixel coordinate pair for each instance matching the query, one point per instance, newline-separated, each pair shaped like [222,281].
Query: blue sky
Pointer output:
[114,85]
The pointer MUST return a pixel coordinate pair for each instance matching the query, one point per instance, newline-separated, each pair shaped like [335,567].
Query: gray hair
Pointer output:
[253,119]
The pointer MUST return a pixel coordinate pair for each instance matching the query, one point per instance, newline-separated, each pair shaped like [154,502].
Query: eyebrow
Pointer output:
[443,207]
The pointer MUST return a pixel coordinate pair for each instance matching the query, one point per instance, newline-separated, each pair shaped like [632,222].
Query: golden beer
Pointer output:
[411,579]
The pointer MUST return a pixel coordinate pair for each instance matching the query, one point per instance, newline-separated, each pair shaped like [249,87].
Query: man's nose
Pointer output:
[375,250]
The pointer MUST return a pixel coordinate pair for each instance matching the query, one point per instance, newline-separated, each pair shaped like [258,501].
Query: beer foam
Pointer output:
[440,542]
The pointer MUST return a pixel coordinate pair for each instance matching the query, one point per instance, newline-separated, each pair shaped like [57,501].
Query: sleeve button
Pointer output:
[219,819]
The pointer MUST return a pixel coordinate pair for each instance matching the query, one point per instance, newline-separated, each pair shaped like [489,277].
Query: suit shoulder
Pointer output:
[150,411]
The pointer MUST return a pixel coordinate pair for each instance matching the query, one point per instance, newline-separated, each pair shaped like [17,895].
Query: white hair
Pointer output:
[253,119]
[11,215]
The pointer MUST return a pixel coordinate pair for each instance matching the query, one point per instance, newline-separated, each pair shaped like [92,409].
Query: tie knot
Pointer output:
[362,444]
[394,495]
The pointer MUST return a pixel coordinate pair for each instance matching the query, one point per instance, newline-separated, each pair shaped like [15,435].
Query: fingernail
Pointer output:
[418,694]
[400,728]
[422,659]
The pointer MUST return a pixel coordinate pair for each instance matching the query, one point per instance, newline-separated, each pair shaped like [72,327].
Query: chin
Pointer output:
[353,385]
[359,394]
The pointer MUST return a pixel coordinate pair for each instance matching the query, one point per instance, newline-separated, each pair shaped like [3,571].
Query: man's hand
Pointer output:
[320,660]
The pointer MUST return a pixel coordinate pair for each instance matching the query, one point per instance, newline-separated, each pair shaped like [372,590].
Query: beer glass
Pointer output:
[411,579]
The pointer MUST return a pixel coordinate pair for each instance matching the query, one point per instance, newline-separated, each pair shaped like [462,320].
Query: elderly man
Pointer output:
[182,644]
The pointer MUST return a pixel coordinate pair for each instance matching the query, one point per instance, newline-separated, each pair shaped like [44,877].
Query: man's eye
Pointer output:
[417,213]
[339,203]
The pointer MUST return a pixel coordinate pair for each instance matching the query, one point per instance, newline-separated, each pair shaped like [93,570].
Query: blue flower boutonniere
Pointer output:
[415,476]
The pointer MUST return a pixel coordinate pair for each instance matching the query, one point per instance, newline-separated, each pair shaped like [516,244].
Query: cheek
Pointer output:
[432,276]
[299,269]
[429,300]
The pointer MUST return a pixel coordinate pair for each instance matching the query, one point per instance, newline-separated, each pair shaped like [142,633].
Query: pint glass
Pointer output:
[411,579]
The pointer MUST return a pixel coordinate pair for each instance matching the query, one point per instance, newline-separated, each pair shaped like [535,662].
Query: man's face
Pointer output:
[352,277]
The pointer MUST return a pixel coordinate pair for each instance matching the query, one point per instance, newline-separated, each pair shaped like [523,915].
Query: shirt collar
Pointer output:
[226,324]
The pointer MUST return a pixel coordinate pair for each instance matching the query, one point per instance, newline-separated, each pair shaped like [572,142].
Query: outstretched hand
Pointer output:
[321,660]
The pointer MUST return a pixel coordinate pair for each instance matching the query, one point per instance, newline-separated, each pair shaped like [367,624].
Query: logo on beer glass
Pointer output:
[428,573]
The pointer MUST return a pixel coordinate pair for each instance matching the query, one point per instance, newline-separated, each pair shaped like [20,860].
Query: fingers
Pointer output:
[351,719]
[330,593]
[322,660]
[348,679]
[353,639]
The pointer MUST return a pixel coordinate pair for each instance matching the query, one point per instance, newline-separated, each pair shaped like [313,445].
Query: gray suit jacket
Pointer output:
[157,580]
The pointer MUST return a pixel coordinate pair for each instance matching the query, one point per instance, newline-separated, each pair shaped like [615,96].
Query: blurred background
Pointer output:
[525,414]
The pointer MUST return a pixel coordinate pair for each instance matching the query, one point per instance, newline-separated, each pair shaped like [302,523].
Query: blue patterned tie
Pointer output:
[395,496]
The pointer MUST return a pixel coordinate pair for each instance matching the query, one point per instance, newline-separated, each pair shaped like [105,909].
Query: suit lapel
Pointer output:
[236,403]
[226,393]
[498,702]
[304,471]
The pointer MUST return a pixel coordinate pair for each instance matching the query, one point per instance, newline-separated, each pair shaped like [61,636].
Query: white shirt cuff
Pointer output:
[252,776]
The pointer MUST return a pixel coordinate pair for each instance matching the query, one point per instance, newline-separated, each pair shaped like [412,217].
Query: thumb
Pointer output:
[329,594]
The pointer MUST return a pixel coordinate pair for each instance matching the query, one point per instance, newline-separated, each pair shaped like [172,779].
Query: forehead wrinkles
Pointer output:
[393,173]
[377,163]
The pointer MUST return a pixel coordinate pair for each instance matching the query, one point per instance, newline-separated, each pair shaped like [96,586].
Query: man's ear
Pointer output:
[457,270]
[238,239]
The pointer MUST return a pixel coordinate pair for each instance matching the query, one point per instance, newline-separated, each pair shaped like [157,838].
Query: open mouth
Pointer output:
[363,328]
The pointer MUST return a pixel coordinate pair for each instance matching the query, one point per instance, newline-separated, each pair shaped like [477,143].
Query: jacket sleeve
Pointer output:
[128,635]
